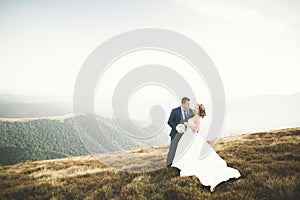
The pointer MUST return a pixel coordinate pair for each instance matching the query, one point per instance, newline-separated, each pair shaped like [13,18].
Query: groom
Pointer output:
[178,115]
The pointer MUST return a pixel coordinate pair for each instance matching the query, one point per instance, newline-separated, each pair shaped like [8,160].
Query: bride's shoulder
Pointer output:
[196,117]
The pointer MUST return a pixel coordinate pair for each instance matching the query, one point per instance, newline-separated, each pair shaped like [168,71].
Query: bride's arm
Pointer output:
[197,124]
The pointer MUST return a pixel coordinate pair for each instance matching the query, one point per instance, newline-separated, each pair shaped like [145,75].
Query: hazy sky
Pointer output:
[255,44]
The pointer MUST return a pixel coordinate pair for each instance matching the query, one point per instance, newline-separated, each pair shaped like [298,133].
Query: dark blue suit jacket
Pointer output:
[176,118]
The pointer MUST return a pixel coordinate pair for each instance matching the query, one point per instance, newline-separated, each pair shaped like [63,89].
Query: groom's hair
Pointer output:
[184,99]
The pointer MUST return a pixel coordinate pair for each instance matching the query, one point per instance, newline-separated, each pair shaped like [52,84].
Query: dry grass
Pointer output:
[268,162]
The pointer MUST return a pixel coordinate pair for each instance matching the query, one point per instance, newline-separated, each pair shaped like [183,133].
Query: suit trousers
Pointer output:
[172,149]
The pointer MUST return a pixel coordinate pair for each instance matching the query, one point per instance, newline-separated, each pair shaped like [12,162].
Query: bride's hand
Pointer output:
[185,123]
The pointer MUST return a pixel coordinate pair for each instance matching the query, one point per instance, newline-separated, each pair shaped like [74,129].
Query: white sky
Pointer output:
[255,45]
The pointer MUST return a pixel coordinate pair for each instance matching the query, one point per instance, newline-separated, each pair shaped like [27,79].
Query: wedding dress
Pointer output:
[208,166]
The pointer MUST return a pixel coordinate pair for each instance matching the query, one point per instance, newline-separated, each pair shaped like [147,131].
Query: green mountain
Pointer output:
[40,139]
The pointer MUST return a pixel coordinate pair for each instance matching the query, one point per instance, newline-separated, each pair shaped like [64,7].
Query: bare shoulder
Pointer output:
[197,118]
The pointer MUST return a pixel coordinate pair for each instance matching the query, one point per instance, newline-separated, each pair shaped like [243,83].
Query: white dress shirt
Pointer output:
[182,112]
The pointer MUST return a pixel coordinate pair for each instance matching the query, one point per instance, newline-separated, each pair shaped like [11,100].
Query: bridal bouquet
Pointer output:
[180,128]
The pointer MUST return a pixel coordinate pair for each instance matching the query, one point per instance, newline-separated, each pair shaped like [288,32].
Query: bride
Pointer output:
[190,158]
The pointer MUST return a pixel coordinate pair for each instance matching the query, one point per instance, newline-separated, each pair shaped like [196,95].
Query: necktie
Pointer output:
[185,115]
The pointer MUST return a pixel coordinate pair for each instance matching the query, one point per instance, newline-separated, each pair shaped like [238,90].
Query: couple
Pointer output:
[185,148]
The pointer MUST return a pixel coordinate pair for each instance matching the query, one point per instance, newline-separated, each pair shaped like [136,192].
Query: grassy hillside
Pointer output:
[269,163]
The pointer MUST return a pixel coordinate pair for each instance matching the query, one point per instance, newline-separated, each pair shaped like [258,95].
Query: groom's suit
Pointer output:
[176,118]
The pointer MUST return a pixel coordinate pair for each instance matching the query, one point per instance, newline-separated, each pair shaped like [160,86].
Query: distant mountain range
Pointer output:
[33,130]
[25,106]
[262,112]
[242,114]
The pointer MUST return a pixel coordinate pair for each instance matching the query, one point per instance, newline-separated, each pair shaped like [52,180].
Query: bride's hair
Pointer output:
[202,112]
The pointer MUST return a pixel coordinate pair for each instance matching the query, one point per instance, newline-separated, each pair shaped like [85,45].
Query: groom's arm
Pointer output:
[171,120]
